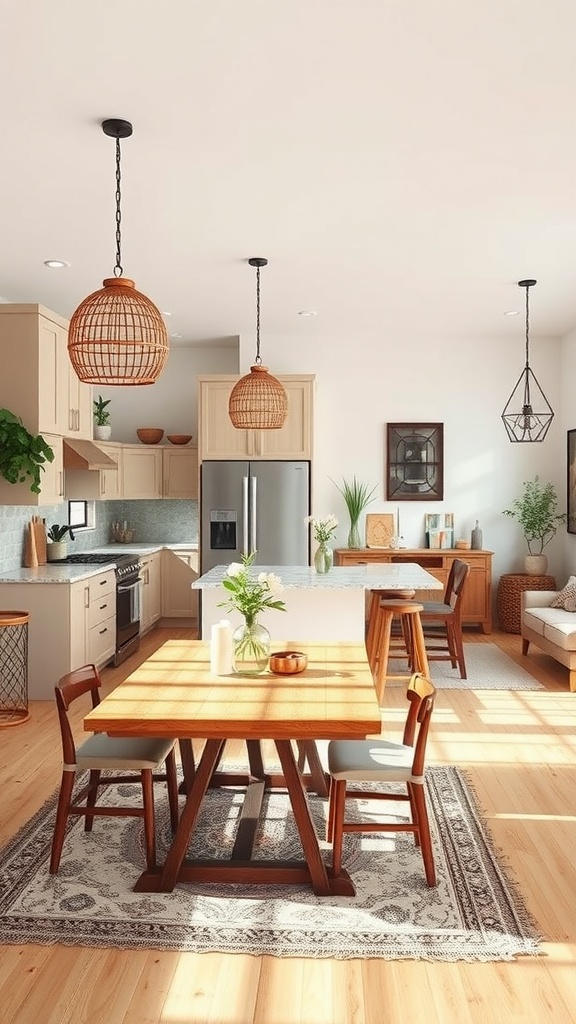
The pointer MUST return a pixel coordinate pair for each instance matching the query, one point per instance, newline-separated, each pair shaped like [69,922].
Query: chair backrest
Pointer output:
[67,690]
[459,572]
[421,694]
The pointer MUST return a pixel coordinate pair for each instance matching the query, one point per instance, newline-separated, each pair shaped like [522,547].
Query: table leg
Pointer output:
[188,764]
[149,881]
[308,836]
[308,751]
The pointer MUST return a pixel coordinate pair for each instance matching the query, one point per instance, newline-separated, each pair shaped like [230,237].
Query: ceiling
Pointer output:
[401,163]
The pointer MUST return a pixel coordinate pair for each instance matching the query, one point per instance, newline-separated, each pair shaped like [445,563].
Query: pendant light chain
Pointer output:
[118,271]
[258,360]
[527,324]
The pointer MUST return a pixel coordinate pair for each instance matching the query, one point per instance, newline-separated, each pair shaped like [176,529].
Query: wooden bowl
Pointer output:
[287,663]
[179,438]
[150,435]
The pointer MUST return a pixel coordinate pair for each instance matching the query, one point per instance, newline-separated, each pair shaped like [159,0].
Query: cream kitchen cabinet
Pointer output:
[150,590]
[141,471]
[180,472]
[218,439]
[38,382]
[70,624]
[179,570]
[51,481]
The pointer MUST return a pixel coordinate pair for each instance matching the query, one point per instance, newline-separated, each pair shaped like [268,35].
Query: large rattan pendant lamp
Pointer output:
[258,401]
[117,335]
[527,414]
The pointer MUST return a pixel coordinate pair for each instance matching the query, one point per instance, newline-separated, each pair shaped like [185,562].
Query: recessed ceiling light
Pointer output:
[511,312]
[165,312]
[56,264]
[176,336]
[307,312]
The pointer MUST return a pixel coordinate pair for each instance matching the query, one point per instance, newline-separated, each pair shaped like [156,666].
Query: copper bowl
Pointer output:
[150,435]
[287,663]
[179,438]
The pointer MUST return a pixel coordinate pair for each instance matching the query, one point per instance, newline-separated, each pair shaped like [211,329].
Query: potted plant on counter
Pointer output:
[102,428]
[357,497]
[536,513]
[57,548]
[22,454]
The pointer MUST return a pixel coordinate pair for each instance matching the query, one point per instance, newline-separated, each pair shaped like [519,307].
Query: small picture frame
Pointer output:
[571,482]
[415,462]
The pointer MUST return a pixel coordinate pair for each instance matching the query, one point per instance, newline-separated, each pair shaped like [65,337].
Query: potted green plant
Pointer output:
[536,512]
[22,454]
[57,548]
[357,497]
[102,428]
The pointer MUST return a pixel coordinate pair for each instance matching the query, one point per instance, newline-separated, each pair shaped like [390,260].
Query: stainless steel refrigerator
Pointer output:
[254,506]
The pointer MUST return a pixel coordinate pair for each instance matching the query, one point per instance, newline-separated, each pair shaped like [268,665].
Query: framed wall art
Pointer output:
[571,483]
[415,461]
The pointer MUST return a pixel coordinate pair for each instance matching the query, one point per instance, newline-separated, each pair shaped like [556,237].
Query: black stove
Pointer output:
[126,565]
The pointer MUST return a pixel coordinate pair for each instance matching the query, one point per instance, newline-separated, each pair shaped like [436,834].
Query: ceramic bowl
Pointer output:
[287,663]
[179,438]
[150,435]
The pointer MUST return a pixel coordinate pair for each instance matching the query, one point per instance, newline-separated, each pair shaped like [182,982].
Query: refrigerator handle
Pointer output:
[245,550]
[254,498]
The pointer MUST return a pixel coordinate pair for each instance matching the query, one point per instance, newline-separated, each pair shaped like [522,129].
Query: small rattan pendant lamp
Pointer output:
[258,401]
[117,335]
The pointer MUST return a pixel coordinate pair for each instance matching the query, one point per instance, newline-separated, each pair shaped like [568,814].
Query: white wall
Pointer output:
[172,402]
[568,421]
[363,383]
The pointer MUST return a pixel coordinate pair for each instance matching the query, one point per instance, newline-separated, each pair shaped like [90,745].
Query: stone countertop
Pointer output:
[396,576]
[54,572]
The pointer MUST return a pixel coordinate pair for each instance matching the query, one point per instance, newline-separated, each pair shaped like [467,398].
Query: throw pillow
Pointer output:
[566,599]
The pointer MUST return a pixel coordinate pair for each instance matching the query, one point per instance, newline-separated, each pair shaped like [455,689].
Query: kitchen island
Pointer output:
[330,606]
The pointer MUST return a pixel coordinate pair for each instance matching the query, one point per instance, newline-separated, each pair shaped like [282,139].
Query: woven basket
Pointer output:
[510,590]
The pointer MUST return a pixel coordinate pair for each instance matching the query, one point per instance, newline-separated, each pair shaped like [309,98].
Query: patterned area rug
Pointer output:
[472,914]
[487,668]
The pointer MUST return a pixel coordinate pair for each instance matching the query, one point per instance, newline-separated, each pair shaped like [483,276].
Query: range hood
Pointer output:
[80,454]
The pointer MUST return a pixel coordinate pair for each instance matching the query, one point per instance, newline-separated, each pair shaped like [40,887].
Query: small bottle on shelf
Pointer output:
[476,538]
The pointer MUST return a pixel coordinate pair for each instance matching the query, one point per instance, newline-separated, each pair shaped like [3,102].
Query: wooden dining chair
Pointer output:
[384,762]
[146,759]
[442,620]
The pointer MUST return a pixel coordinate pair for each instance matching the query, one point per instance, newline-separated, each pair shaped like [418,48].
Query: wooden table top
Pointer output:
[174,694]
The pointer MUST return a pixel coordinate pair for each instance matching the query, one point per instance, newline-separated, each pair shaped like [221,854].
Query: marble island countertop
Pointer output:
[58,572]
[395,576]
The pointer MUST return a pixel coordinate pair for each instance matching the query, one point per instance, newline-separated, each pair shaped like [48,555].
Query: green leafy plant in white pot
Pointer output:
[536,512]
[102,428]
[57,547]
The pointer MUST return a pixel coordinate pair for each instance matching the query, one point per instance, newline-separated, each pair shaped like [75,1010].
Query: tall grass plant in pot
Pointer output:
[357,496]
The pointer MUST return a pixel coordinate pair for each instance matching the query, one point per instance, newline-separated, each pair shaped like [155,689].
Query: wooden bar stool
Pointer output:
[373,619]
[409,614]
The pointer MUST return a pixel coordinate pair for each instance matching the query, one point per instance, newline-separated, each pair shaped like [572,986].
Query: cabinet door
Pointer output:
[141,472]
[79,406]
[53,374]
[220,440]
[180,472]
[179,570]
[110,480]
[79,603]
[150,590]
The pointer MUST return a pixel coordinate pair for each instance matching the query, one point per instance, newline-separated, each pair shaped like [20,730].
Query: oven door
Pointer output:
[127,612]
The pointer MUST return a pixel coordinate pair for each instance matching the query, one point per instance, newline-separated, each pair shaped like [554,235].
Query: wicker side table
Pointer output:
[510,589]
[13,667]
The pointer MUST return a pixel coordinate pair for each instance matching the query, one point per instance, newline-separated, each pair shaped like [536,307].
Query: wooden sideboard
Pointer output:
[477,605]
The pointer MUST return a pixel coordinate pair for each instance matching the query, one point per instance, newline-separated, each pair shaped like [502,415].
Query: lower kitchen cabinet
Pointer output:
[71,624]
[179,570]
[150,590]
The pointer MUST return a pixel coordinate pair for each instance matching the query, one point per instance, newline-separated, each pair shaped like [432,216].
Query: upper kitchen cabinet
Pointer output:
[180,472]
[141,471]
[51,481]
[38,382]
[218,439]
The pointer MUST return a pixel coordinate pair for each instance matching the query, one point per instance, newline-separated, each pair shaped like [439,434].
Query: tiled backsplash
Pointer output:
[163,521]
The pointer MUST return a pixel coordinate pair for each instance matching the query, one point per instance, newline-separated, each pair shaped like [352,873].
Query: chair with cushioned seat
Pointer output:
[147,759]
[381,761]
[442,620]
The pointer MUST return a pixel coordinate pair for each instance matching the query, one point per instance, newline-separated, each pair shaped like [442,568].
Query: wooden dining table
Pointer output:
[174,694]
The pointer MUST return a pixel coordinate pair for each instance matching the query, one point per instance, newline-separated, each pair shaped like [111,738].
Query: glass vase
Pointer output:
[354,540]
[251,647]
[323,559]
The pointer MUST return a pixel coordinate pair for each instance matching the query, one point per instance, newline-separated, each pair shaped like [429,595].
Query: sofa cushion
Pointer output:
[567,597]
[541,620]
[562,634]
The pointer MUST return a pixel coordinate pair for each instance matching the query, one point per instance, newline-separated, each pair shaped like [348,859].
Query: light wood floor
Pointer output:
[520,749]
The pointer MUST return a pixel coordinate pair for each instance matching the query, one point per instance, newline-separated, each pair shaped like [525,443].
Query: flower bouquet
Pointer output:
[323,528]
[249,595]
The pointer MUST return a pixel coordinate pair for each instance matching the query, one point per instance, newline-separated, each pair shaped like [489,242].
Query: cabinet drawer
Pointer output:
[101,607]
[102,641]
[100,586]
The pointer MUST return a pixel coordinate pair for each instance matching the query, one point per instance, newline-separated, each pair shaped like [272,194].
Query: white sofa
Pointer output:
[553,630]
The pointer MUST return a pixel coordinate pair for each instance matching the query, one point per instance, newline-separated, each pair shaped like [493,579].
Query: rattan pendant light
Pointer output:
[527,414]
[258,401]
[117,335]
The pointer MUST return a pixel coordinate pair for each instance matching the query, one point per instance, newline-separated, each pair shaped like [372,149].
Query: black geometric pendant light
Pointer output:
[527,414]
